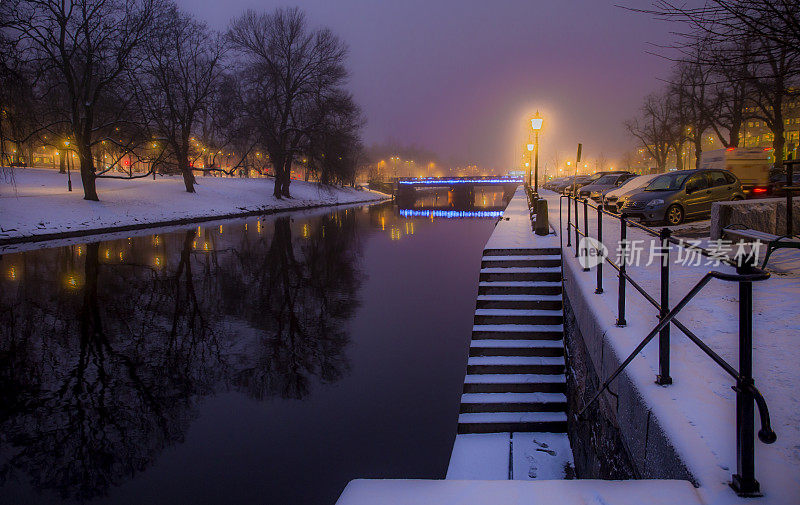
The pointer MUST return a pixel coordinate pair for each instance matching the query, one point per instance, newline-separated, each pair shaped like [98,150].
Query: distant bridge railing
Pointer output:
[450,181]
[744,481]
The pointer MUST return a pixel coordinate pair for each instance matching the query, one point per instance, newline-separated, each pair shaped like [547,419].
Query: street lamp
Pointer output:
[536,125]
[69,164]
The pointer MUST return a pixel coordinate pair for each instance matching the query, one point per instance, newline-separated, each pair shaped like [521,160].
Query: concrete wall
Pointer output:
[619,437]
[767,215]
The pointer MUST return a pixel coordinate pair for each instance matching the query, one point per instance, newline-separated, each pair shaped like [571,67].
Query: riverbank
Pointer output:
[35,205]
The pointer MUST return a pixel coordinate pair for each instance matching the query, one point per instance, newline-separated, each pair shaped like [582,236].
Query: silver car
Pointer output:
[677,195]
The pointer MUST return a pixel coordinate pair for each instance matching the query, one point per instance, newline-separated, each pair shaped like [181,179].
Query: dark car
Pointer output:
[598,188]
[593,178]
[674,196]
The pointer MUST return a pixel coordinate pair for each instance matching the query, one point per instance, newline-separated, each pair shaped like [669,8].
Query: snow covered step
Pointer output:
[514,383]
[544,260]
[518,317]
[513,402]
[519,288]
[518,331]
[495,347]
[544,302]
[495,422]
[522,251]
[521,274]
[515,365]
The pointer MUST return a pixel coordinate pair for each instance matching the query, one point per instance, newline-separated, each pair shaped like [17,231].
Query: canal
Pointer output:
[261,360]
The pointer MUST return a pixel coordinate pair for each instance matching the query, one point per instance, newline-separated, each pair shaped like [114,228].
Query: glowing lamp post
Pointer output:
[536,126]
[69,175]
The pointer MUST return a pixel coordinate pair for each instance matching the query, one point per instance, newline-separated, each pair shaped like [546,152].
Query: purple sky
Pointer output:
[460,76]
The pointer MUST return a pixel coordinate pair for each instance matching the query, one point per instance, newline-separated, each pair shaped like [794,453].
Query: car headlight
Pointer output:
[655,203]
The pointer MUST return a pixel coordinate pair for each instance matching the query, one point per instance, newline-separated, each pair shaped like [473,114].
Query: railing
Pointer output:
[743,481]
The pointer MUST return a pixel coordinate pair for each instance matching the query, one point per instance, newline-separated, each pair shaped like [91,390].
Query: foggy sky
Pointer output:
[460,76]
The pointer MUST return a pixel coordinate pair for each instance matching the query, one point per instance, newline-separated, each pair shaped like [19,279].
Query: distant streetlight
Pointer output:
[536,126]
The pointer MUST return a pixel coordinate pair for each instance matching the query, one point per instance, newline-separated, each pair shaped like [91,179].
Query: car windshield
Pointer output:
[667,182]
[607,179]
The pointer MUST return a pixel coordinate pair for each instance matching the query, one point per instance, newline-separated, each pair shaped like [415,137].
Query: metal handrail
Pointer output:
[747,394]
[752,277]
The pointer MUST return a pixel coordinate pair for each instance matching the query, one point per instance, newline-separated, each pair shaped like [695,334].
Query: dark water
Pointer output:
[252,361]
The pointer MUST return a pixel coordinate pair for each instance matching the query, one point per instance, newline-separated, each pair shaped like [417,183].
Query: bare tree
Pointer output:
[654,128]
[87,44]
[285,67]
[181,70]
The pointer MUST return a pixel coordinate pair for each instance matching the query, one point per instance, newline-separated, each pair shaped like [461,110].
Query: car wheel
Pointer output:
[674,214]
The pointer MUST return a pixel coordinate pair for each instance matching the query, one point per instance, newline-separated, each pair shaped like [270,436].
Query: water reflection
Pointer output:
[109,351]
[106,348]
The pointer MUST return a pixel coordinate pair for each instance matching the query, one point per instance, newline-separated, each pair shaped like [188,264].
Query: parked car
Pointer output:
[592,178]
[567,183]
[598,188]
[617,197]
[677,195]
[777,181]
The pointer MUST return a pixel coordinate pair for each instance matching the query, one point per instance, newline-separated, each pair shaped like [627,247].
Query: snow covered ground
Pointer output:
[38,203]
[698,410]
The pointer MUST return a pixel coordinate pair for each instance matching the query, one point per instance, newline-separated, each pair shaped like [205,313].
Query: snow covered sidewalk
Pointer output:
[697,412]
[38,205]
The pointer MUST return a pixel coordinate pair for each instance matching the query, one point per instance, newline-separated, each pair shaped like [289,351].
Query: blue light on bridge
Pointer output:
[450,213]
[441,182]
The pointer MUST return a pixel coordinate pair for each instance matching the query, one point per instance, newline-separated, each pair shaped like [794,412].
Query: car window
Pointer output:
[607,179]
[666,182]
[696,182]
[717,178]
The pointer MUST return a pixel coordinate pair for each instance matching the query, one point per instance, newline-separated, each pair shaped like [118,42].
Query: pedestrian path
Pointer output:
[513,405]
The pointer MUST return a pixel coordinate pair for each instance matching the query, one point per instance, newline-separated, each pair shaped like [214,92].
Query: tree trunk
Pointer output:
[287,177]
[778,144]
[188,176]
[698,150]
[88,177]
[277,167]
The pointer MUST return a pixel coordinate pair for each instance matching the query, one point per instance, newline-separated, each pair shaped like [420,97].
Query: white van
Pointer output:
[750,164]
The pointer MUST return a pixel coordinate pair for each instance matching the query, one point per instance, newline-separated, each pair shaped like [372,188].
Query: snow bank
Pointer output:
[39,204]
[698,410]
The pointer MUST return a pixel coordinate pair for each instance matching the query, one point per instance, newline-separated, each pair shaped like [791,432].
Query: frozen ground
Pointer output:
[540,492]
[698,410]
[39,203]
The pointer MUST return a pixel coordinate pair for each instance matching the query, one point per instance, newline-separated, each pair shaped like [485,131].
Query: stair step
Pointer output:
[541,302]
[515,365]
[544,260]
[518,331]
[516,348]
[518,317]
[519,287]
[522,252]
[495,422]
[521,274]
[514,383]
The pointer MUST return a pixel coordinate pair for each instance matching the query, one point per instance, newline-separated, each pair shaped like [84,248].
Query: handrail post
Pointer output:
[663,377]
[586,229]
[599,288]
[744,480]
[577,220]
[623,243]
[569,223]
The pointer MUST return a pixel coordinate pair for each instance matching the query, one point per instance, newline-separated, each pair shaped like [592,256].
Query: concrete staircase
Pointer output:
[515,372]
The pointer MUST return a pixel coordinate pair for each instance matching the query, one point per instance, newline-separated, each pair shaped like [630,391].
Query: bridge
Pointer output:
[462,188]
